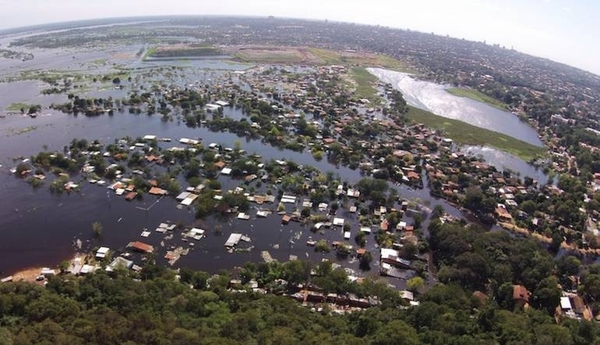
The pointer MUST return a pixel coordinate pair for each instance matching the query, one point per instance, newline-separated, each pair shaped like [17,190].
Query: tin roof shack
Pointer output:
[141,247]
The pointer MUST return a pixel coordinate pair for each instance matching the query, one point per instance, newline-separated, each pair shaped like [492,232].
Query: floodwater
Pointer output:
[505,161]
[434,98]
[38,228]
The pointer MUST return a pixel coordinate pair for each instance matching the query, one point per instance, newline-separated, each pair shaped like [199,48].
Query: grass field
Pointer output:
[330,57]
[466,134]
[364,84]
[269,55]
[478,96]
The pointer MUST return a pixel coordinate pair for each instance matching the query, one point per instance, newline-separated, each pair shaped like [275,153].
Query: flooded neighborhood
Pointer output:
[210,157]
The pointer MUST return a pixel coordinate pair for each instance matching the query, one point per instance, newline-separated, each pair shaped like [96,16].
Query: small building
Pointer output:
[141,247]
[119,261]
[157,191]
[338,221]
[502,213]
[102,252]
[130,196]
[365,229]
[521,295]
[233,240]
[47,272]
[196,233]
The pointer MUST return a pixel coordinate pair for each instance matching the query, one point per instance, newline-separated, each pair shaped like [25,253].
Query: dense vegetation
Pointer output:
[155,306]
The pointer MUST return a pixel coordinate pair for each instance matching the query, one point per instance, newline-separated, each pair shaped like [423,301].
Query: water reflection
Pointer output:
[503,161]
[434,98]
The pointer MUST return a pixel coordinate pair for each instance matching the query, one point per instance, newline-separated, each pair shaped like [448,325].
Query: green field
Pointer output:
[364,84]
[477,96]
[465,134]
[268,56]
[330,57]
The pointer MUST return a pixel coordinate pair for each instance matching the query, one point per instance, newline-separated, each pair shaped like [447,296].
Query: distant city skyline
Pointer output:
[560,30]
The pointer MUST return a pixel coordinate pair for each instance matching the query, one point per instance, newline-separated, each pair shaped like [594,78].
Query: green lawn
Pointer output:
[477,96]
[364,84]
[465,134]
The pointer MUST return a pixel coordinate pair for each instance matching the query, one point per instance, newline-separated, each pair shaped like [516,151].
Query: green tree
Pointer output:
[365,261]
[415,284]
[396,332]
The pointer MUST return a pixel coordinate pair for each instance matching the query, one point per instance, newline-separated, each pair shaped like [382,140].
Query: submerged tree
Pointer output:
[97,229]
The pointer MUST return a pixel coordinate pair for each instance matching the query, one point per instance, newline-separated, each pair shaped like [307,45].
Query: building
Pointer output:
[521,296]
[141,247]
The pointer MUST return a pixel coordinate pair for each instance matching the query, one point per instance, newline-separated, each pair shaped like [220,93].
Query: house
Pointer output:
[196,233]
[130,196]
[288,199]
[233,240]
[573,306]
[384,225]
[141,247]
[119,261]
[157,191]
[365,229]
[338,221]
[392,257]
[47,272]
[502,213]
[521,295]
[102,252]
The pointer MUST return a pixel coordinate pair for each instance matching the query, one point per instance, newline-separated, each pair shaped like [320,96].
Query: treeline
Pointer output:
[156,307]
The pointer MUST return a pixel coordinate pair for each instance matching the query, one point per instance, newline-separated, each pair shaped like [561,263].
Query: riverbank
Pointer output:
[27,275]
[465,134]
[477,96]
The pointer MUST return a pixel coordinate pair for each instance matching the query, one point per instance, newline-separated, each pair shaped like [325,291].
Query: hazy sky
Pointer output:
[562,30]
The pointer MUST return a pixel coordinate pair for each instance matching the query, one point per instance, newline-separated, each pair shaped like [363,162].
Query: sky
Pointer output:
[561,30]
